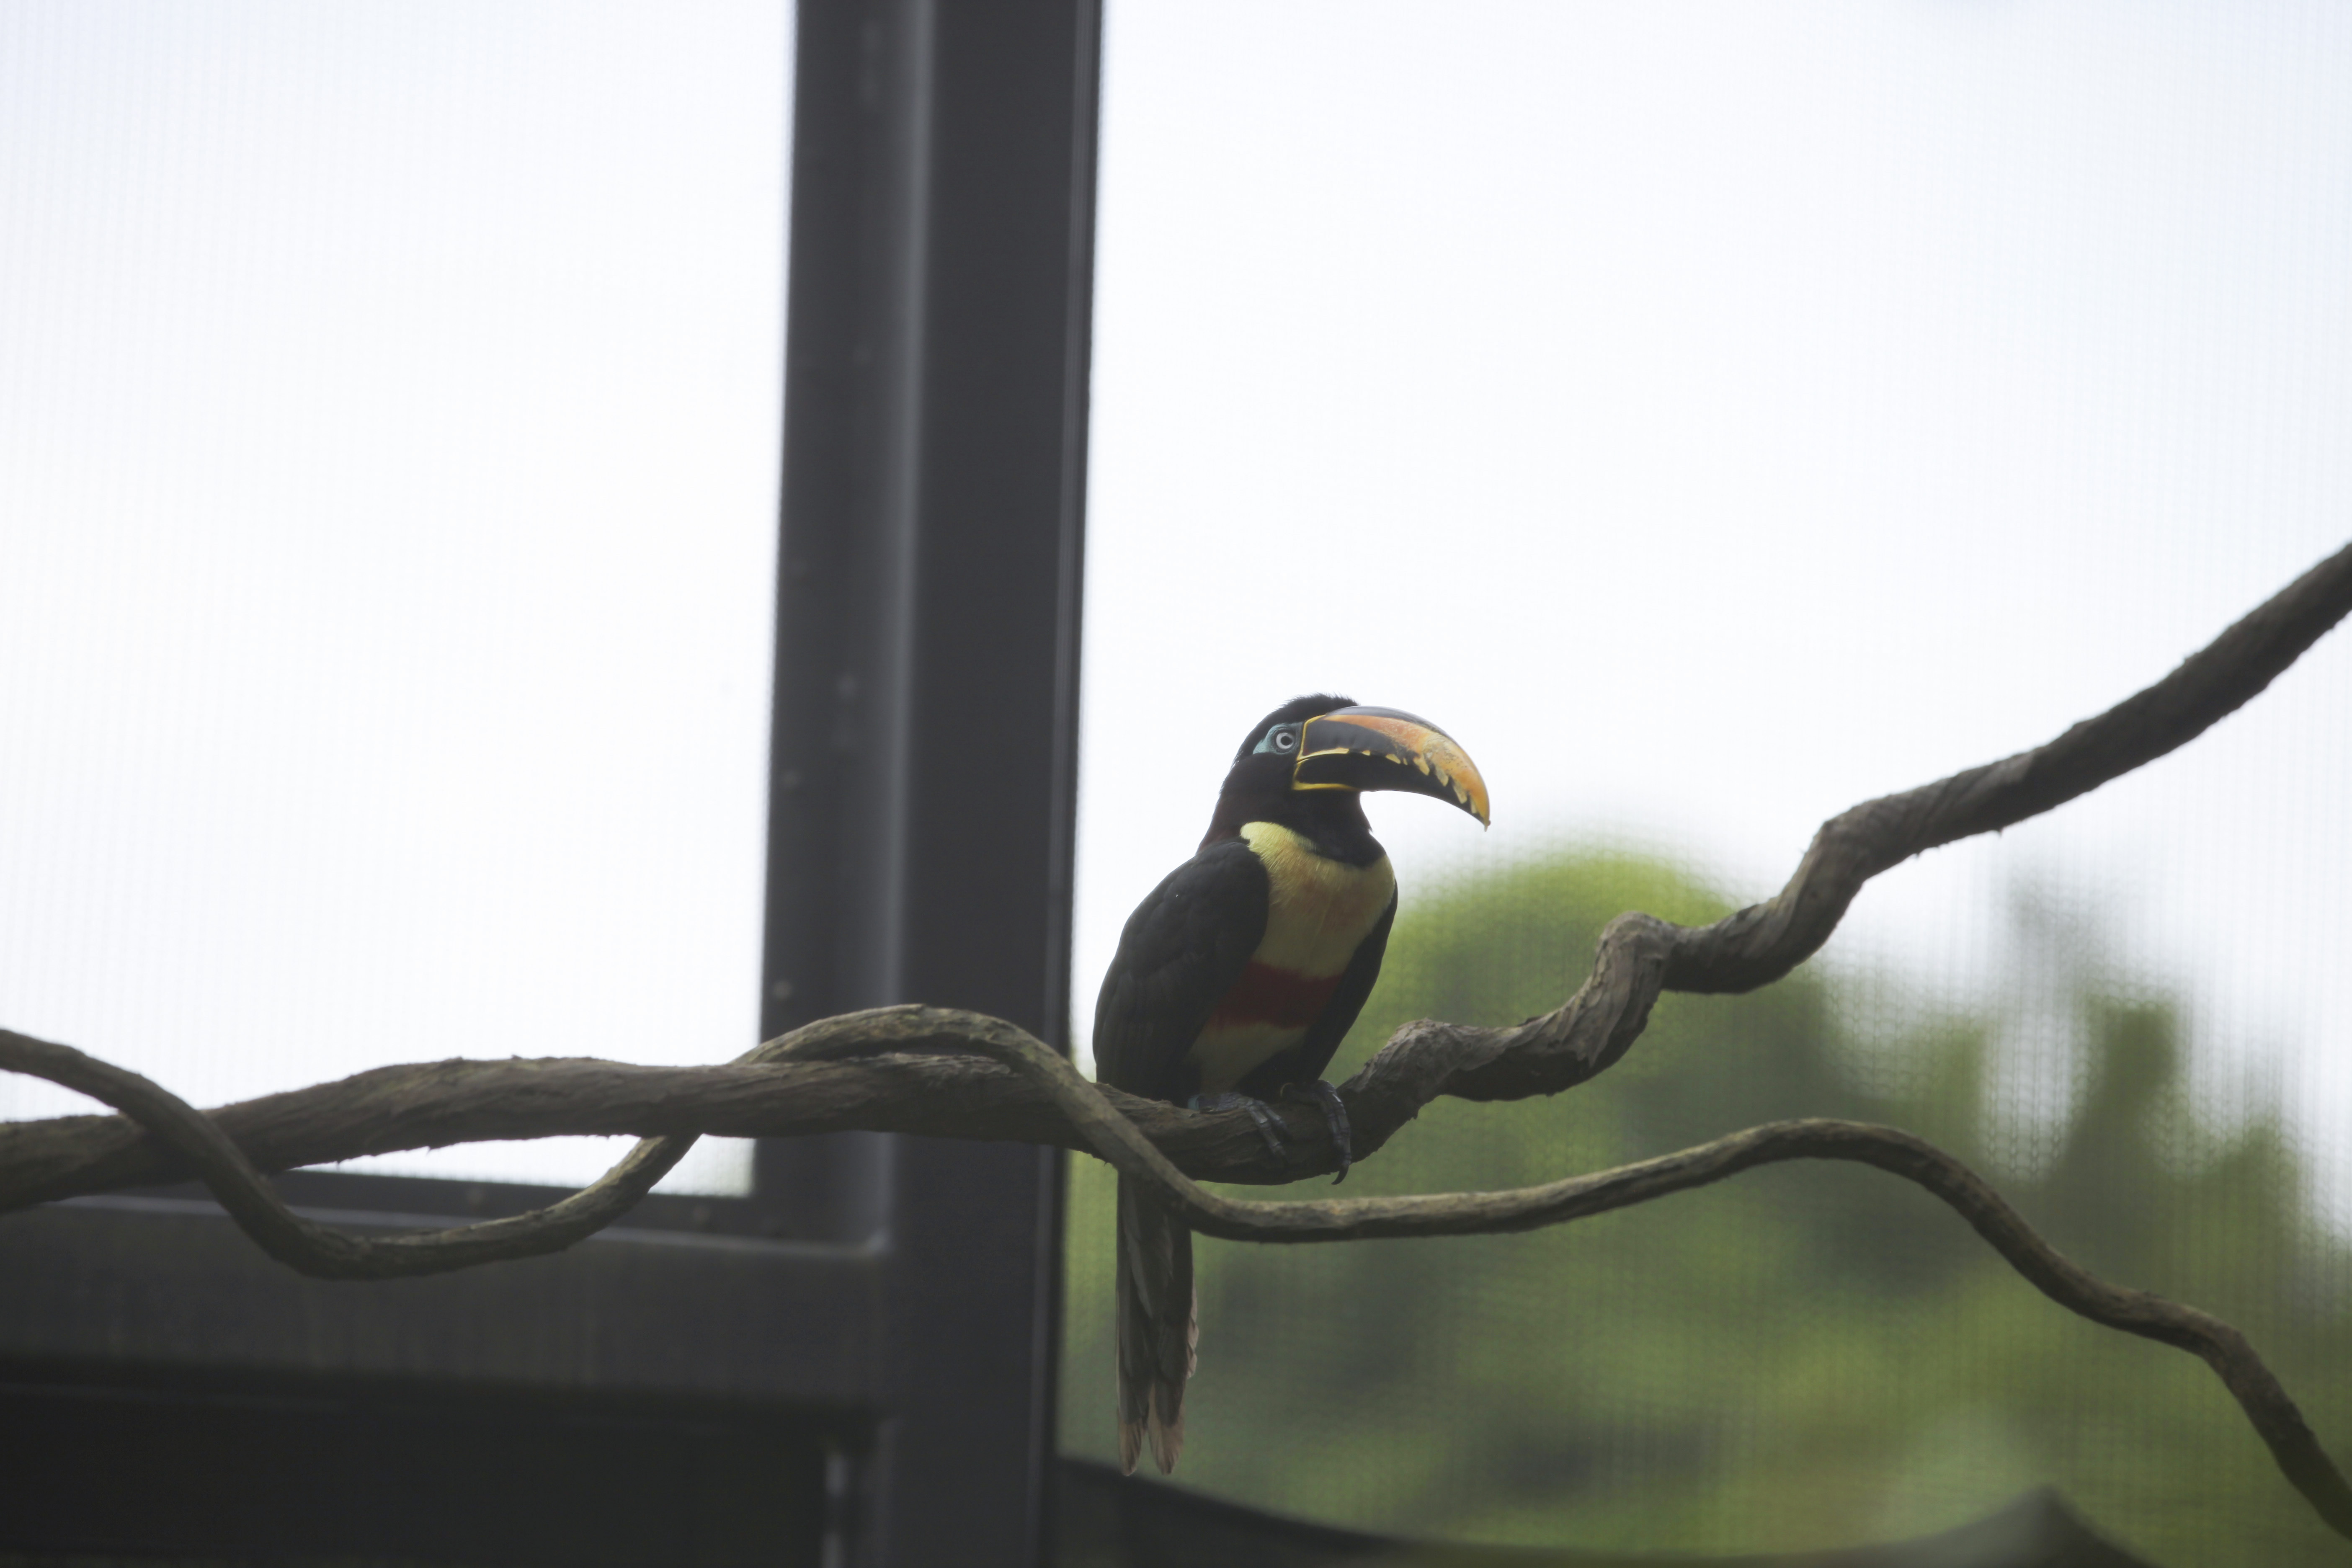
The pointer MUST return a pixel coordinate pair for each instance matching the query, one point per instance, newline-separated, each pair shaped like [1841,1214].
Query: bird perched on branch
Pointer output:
[1238,978]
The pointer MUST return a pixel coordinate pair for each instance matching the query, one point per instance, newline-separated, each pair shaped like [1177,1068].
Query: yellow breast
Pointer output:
[1317,909]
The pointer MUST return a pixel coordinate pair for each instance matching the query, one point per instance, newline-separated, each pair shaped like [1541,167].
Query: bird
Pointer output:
[1235,980]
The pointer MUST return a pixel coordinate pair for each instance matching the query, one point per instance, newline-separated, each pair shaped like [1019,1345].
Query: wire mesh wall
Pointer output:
[1714,416]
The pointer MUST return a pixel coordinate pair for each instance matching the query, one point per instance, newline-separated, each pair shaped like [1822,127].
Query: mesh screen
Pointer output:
[1714,414]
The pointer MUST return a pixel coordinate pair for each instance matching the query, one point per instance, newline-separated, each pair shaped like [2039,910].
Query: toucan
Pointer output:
[1236,979]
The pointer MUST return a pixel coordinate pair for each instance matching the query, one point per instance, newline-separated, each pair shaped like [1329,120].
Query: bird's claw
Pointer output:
[1335,1112]
[1270,1126]
[1275,1131]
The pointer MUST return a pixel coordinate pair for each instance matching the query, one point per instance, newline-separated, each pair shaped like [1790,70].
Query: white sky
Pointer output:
[1713,414]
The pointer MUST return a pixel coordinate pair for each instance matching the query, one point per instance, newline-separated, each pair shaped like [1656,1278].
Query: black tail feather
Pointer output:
[1159,1328]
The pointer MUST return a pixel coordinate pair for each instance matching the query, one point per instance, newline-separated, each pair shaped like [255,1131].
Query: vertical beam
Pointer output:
[926,662]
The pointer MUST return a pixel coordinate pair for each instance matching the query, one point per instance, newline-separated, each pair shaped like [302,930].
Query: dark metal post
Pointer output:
[926,650]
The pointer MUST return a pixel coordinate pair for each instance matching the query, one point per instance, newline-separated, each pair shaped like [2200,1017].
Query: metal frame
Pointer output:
[879,1321]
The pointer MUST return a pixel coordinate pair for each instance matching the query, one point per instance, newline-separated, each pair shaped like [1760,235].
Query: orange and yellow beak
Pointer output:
[1379,748]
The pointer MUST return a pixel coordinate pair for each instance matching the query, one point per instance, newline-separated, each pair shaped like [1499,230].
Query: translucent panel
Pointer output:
[388,449]
[1715,416]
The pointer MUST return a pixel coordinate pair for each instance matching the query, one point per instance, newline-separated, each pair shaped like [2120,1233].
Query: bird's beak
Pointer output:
[1379,748]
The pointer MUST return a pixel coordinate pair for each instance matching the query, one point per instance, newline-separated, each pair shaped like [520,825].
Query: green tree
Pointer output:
[1799,1357]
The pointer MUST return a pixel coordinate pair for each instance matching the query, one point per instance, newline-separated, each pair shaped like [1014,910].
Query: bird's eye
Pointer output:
[1281,739]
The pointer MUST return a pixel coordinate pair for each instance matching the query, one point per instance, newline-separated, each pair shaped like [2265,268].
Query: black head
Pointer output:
[1297,711]
[1306,764]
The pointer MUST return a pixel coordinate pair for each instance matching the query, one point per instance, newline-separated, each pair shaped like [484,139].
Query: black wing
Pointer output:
[1304,1062]
[1182,950]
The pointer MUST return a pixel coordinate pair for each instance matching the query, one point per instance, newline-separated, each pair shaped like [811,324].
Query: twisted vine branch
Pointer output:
[1640,956]
[1089,1113]
[933,1070]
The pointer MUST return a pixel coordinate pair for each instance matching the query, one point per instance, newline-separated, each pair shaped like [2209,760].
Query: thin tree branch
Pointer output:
[894,1069]
[324,1251]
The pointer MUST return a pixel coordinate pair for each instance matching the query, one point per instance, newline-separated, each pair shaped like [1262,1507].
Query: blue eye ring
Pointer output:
[1281,741]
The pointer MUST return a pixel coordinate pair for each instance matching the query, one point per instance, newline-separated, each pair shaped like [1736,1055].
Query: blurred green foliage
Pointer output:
[1803,1356]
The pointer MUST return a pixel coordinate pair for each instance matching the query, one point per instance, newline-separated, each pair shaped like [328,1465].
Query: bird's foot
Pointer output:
[1335,1112]
[1270,1125]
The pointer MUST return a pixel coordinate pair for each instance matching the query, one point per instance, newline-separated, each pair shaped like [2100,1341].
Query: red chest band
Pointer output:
[1282,997]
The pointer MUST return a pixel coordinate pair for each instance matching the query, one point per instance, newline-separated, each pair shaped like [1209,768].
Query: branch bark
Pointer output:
[918,1069]
[1105,1131]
